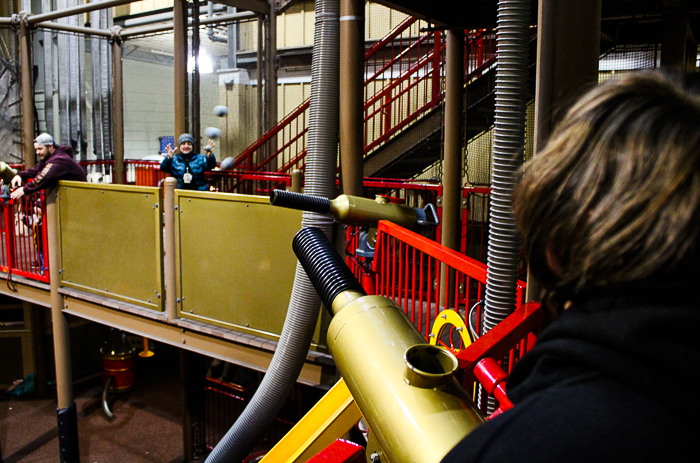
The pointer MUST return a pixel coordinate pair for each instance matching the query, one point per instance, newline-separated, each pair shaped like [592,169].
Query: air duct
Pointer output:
[304,304]
[508,147]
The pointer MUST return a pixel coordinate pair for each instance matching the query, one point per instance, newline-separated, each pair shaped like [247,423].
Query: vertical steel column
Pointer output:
[170,280]
[118,105]
[25,59]
[271,68]
[48,72]
[259,73]
[67,413]
[452,163]
[180,65]
[105,83]
[673,47]
[568,45]
[352,67]
[196,102]
[232,32]
[297,180]
[95,53]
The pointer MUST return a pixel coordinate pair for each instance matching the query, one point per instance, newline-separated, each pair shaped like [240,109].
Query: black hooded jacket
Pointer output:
[614,379]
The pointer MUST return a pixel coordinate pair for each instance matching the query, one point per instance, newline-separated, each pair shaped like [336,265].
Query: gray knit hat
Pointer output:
[44,139]
[185,137]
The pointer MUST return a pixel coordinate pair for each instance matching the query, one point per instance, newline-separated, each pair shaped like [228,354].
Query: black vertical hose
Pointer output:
[304,304]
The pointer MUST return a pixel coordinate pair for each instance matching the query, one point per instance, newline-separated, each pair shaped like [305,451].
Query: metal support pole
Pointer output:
[180,65]
[271,67]
[196,129]
[192,373]
[118,106]
[568,46]
[673,47]
[261,123]
[452,163]
[352,67]
[170,280]
[25,59]
[297,180]
[67,414]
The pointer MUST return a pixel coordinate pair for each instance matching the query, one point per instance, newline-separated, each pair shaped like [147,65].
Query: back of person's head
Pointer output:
[614,197]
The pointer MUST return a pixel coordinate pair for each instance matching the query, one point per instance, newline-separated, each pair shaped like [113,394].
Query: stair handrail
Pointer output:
[269,134]
[245,159]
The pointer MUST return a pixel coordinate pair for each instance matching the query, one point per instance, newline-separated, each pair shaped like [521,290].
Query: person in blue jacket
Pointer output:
[186,166]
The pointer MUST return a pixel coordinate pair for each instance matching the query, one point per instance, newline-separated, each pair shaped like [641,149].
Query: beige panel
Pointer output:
[309,22]
[235,261]
[293,20]
[111,241]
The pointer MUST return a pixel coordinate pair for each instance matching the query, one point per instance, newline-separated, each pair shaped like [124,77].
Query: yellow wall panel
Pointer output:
[235,261]
[112,242]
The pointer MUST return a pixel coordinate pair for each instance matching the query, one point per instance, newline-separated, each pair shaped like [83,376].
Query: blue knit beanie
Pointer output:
[185,137]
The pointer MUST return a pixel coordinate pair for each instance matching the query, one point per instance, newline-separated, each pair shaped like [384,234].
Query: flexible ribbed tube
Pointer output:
[512,40]
[304,303]
[508,147]
[299,201]
[324,266]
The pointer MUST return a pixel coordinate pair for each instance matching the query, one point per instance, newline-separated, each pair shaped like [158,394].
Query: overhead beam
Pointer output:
[182,337]
[76,29]
[86,8]
[258,6]
[214,20]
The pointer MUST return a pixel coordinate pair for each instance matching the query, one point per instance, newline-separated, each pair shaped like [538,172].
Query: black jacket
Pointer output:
[614,378]
[58,166]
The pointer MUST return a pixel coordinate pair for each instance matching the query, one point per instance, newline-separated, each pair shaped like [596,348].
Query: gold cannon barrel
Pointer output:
[404,387]
[360,211]
[354,210]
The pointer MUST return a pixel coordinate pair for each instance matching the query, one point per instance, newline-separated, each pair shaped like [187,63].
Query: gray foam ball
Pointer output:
[227,164]
[212,132]
[220,111]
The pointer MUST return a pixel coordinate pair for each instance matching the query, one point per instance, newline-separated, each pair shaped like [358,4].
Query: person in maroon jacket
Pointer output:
[55,163]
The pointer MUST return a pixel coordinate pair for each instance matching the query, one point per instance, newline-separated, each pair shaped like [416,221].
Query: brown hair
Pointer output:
[615,195]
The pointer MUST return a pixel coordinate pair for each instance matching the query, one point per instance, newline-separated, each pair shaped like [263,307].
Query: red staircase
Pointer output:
[404,82]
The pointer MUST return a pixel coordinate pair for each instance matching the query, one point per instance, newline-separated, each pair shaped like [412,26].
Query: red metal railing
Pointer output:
[508,342]
[23,243]
[136,172]
[404,80]
[255,183]
[407,269]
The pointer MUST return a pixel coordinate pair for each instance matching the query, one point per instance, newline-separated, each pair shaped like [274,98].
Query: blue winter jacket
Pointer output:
[196,164]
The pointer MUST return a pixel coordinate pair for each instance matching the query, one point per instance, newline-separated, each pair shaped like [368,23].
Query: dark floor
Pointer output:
[147,428]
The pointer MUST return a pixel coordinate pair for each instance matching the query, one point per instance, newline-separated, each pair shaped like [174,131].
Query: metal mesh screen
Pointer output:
[626,58]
